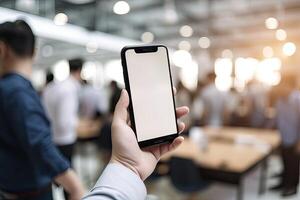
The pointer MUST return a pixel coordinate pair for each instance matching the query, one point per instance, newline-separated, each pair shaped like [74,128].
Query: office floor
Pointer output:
[88,165]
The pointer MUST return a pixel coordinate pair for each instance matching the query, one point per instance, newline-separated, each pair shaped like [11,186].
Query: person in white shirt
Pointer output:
[61,101]
[92,100]
[214,103]
[129,165]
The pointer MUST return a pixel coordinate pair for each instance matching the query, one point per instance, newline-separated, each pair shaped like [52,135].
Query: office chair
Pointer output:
[185,176]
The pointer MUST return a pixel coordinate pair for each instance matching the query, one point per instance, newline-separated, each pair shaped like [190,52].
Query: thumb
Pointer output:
[121,107]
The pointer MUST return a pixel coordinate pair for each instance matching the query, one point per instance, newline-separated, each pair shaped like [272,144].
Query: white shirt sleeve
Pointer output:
[118,182]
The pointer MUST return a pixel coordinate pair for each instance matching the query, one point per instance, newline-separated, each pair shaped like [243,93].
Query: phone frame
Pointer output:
[147,49]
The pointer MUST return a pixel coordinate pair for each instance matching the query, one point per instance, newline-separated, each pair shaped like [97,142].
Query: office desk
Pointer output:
[230,154]
[88,130]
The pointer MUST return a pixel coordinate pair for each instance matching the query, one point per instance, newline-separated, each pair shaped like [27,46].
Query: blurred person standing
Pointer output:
[92,101]
[29,161]
[197,110]
[257,96]
[61,100]
[288,123]
[239,108]
[214,102]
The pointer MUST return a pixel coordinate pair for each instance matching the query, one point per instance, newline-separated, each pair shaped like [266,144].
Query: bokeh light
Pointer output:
[186,31]
[268,71]
[281,34]
[184,45]
[113,71]
[91,47]
[223,67]
[227,53]
[271,23]
[89,70]
[60,19]
[121,8]
[180,58]
[223,83]
[289,49]
[204,42]
[61,70]
[189,75]
[147,37]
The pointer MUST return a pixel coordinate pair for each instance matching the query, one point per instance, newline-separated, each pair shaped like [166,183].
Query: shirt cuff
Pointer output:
[122,180]
[55,161]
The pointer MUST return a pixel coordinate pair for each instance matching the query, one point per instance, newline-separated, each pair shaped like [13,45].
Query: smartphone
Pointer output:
[148,80]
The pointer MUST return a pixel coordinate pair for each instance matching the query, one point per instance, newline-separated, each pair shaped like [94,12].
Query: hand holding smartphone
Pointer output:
[148,80]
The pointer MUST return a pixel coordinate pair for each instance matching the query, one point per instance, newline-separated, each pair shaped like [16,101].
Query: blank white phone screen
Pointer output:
[151,93]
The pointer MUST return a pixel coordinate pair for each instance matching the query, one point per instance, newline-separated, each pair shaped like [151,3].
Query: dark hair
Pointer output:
[19,37]
[49,77]
[75,64]
[84,82]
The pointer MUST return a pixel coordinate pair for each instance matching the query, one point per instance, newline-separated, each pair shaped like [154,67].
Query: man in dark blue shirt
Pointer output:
[29,161]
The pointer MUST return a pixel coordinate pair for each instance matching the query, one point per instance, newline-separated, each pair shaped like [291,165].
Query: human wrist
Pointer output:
[127,164]
[71,182]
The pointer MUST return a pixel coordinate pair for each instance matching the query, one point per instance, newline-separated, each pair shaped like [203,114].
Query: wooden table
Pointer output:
[88,129]
[230,154]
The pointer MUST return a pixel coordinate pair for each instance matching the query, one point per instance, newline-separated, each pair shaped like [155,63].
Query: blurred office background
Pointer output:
[242,47]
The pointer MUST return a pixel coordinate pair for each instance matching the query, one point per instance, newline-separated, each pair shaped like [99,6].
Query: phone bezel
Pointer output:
[147,49]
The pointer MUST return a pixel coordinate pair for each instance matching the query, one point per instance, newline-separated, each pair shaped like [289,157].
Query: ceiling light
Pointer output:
[171,16]
[181,57]
[281,34]
[227,53]
[186,31]
[61,70]
[91,47]
[268,71]
[271,23]
[147,37]
[189,75]
[113,71]
[38,78]
[268,52]
[121,8]
[223,67]
[244,69]
[89,71]
[223,83]
[204,42]
[60,19]
[289,48]
[184,45]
